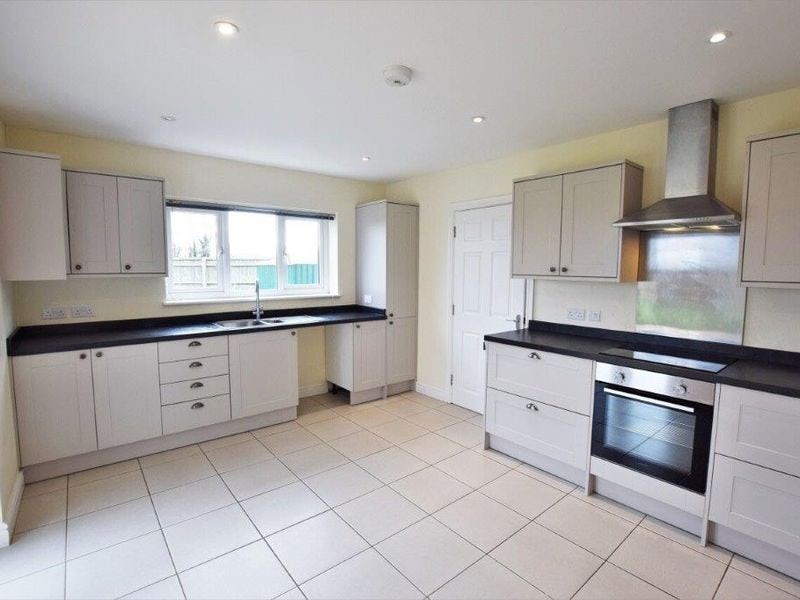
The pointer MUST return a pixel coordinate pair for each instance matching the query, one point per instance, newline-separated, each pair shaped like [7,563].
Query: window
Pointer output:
[219,252]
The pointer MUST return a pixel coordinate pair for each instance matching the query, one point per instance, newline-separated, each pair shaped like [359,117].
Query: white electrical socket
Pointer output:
[367,299]
[576,314]
[82,311]
[54,312]
[594,315]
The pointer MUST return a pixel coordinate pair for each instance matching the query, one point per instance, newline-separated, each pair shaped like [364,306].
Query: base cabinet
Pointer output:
[355,355]
[263,372]
[401,350]
[55,405]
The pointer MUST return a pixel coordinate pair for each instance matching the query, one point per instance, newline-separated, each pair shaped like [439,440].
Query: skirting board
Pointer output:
[7,526]
[766,554]
[432,391]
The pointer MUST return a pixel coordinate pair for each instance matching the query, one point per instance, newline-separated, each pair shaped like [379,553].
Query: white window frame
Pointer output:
[223,291]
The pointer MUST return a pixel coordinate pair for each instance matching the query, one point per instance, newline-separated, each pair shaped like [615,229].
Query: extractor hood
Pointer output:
[689,201]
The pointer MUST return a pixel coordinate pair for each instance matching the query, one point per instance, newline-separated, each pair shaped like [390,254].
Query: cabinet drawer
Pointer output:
[197,413]
[760,428]
[550,431]
[183,391]
[758,502]
[562,381]
[192,348]
[184,370]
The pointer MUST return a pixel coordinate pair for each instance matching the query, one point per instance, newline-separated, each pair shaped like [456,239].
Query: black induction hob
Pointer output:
[667,359]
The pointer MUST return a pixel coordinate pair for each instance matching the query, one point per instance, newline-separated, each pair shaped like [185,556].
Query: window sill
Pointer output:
[251,299]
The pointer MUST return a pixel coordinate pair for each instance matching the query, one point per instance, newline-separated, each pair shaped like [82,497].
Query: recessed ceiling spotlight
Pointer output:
[719,36]
[226,28]
[366,158]
[169,118]
[478,119]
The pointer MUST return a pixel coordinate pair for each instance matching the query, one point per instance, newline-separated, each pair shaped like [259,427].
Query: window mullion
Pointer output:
[225,262]
[281,256]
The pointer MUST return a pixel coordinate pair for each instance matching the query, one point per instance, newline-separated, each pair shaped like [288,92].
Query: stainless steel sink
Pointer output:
[244,323]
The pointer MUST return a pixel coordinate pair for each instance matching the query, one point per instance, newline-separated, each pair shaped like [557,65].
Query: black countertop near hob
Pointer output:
[759,369]
[40,339]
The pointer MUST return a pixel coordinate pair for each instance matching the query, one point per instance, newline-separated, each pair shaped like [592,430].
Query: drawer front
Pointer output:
[183,391]
[563,381]
[760,428]
[197,413]
[184,370]
[551,431]
[758,502]
[192,348]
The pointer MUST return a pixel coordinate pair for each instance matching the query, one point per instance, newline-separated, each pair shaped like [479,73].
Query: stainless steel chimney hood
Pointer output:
[689,201]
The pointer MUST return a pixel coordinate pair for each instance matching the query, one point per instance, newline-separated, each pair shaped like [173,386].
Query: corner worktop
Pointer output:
[41,339]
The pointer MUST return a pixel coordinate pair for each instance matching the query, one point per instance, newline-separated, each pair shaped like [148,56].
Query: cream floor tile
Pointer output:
[314,546]
[547,561]
[472,468]
[403,407]
[668,565]
[779,580]
[526,495]
[360,444]
[44,585]
[292,594]
[42,509]
[481,520]
[366,576]
[33,551]
[399,431]
[44,487]
[286,442]
[331,429]
[273,429]
[737,585]
[431,447]
[228,440]
[103,472]
[476,420]
[283,507]
[613,582]
[370,417]
[590,527]
[106,492]
[487,579]
[428,554]
[110,526]
[315,416]
[503,459]
[120,569]
[391,464]
[175,473]
[258,478]
[309,462]
[431,489]
[152,460]
[166,589]
[332,401]
[615,508]
[191,500]
[249,572]
[236,456]
[347,409]
[208,536]
[432,419]
[380,514]
[458,411]
[342,484]
[422,399]
[463,433]
[687,539]
[551,480]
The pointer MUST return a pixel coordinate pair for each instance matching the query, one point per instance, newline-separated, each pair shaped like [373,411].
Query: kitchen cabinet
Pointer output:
[402,244]
[55,405]
[32,217]
[563,224]
[127,398]
[401,350]
[116,225]
[355,358]
[770,237]
[263,372]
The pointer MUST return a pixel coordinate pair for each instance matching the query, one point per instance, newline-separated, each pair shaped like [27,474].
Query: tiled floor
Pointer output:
[393,499]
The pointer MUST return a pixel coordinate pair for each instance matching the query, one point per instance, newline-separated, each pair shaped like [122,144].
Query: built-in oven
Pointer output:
[656,424]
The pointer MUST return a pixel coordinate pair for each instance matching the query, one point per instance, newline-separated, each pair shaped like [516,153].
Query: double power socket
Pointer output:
[81,311]
[581,314]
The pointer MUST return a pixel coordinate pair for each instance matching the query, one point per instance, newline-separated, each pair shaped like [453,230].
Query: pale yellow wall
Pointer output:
[770,313]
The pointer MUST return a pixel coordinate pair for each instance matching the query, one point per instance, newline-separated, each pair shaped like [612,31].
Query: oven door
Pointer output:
[660,436]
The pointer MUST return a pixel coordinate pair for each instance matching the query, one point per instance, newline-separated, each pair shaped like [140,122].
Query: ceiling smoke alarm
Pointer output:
[397,75]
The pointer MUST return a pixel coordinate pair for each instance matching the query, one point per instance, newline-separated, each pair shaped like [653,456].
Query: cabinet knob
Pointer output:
[195,364]
[564,269]
[391,322]
[197,405]
[78,267]
[195,344]
[196,384]
[294,333]
[534,355]
[391,314]
[552,269]
[98,354]
[358,326]
[531,406]
[83,355]
[127,267]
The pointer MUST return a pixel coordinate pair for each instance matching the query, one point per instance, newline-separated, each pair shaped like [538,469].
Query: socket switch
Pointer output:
[594,315]
[576,314]
[54,312]
[82,311]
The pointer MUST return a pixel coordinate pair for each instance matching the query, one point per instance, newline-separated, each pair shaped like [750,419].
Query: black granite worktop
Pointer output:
[760,369]
[40,339]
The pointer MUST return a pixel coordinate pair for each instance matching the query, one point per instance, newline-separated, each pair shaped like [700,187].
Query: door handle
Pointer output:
[195,364]
[531,406]
[195,344]
[534,355]
[196,384]
[516,320]
[197,405]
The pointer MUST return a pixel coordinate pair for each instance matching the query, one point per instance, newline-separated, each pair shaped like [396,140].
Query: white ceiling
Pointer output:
[301,85]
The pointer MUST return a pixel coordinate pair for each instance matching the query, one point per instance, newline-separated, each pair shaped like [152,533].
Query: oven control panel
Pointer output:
[656,383]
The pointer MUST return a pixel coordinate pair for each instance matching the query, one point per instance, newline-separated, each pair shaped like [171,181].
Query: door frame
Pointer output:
[454,208]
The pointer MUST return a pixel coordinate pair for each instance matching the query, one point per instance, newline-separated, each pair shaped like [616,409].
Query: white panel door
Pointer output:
[263,372]
[537,226]
[401,350]
[127,397]
[93,213]
[402,247]
[485,297]
[589,242]
[771,243]
[141,225]
[369,355]
[55,405]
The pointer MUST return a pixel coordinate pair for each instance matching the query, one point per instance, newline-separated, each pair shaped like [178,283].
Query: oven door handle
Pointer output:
[680,407]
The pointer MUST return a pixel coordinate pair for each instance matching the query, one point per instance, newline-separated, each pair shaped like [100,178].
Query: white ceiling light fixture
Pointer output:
[719,36]
[366,158]
[169,118]
[226,28]
[478,119]
[397,75]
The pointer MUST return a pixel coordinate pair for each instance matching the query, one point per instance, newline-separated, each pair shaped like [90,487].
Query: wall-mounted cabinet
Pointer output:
[770,239]
[563,224]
